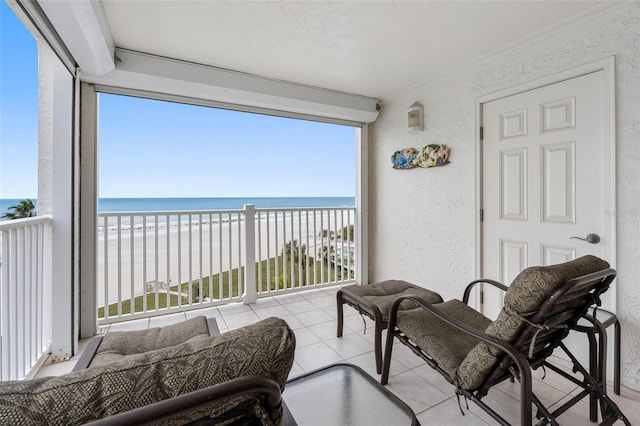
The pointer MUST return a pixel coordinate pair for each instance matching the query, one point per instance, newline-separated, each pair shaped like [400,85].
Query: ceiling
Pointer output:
[371,48]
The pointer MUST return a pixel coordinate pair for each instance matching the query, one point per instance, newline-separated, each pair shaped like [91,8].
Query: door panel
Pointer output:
[558,182]
[513,183]
[543,179]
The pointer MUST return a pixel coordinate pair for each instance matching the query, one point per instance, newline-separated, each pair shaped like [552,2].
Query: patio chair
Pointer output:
[232,378]
[474,354]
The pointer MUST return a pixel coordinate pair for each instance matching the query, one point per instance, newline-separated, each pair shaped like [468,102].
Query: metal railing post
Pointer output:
[249,247]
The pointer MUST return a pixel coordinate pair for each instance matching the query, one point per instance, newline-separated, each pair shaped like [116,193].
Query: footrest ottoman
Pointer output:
[374,301]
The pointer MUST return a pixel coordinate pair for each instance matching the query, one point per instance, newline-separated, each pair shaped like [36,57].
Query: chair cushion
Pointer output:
[265,348]
[525,295]
[446,345]
[118,344]
[383,294]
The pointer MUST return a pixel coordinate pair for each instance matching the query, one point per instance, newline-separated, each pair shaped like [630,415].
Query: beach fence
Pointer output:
[154,263]
[25,295]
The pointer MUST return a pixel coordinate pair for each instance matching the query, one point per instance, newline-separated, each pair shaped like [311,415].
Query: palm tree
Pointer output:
[327,253]
[24,208]
[347,233]
[299,256]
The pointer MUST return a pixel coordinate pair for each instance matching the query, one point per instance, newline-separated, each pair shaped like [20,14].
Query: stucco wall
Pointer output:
[422,221]
[45,128]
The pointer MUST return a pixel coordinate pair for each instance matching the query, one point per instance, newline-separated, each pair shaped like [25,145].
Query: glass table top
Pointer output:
[343,394]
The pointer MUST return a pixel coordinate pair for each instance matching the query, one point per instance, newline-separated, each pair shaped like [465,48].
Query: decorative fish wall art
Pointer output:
[431,155]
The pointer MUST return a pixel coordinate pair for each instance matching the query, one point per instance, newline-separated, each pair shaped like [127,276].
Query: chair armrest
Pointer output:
[467,290]
[520,361]
[518,358]
[191,400]
[481,335]
[88,353]
[212,325]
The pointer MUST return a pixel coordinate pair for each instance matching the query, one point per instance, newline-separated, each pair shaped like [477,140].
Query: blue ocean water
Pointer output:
[167,204]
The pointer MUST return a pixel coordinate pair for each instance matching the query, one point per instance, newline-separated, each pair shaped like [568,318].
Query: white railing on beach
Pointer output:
[25,295]
[172,261]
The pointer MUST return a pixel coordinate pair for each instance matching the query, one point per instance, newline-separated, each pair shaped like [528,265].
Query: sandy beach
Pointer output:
[177,252]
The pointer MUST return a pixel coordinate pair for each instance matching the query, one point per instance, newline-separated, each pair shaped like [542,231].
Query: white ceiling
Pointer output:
[371,48]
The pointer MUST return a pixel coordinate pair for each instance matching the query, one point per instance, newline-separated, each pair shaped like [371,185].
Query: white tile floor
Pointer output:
[312,317]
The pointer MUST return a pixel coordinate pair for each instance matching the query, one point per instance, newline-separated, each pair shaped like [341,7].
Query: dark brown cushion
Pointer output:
[525,295]
[383,294]
[265,348]
[446,345]
[118,344]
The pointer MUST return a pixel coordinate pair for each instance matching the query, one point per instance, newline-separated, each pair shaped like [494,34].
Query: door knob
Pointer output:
[591,238]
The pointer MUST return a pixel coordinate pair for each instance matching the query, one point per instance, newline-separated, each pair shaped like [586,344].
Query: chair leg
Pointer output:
[340,304]
[543,413]
[593,371]
[616,358]
[384,379]
[377,346]
[387,355]
[609,409]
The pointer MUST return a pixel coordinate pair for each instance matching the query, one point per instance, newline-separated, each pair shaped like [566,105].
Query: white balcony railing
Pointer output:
[25,295]
[172,261]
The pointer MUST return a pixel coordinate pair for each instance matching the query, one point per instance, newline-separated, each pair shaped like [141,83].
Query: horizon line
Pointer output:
[201,197]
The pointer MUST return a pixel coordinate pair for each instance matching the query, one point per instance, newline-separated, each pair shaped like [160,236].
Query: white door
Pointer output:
[543,179]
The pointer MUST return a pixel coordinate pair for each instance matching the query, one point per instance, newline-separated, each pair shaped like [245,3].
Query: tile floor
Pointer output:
[312,316]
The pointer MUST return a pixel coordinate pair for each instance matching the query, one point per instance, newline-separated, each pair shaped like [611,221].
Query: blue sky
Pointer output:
[151,148]
[18,108]
[154,148]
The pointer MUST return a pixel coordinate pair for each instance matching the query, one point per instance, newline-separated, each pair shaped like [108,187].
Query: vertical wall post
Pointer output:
[362,205]
[249,246]
[56,176]
[88,210]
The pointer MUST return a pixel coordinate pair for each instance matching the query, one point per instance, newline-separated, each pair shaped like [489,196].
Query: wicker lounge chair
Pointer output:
[474,354]
[182,375]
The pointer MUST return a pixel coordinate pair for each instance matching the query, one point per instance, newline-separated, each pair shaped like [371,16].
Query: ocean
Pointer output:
[168,204]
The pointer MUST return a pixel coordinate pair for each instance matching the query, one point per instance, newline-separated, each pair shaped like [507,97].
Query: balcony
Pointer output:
[311,314]
[173,261]
[167,262]
[187,251]
[25,295]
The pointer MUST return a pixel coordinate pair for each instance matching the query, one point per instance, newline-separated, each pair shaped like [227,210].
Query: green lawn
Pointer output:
[138,303]
[229,287]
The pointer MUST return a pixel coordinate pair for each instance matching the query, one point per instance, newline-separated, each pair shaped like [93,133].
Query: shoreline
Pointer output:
[210,248]
[139,224]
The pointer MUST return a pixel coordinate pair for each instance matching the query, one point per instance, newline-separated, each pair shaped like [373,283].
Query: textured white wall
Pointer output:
[45,128]
[422,221]
[55,190]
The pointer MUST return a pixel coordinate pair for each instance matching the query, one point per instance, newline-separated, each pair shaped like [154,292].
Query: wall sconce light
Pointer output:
[416,116]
